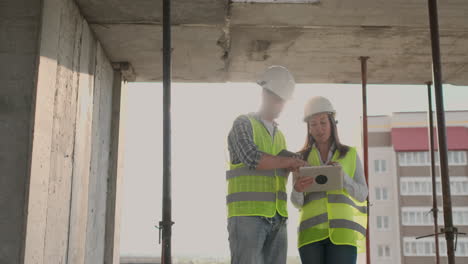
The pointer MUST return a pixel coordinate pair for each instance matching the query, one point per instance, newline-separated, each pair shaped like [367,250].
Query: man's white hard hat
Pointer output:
[279,81]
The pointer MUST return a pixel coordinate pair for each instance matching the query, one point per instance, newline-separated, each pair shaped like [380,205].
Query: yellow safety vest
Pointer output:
[334,214]
[258,192]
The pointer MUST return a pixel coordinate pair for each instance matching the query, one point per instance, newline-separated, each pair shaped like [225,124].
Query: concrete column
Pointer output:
[100,156]
[19,30]
[112,239]
[57,118]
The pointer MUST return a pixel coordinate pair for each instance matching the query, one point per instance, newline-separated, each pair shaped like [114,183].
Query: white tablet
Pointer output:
[327,178]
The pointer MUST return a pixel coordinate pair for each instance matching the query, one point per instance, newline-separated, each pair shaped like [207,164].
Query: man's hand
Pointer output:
[294,164]
[303,183]
[269,162]
[333,163]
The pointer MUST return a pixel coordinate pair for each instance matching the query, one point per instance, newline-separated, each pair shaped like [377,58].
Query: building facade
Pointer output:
[401,187]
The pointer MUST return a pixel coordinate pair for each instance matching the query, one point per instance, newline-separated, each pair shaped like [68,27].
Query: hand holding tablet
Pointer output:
[319,178]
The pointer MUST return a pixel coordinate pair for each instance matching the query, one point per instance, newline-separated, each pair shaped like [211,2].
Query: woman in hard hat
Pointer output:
[332,228]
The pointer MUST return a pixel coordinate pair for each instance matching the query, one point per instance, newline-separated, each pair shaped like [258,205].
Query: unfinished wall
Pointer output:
[56,122]
[19,29]
[99,160]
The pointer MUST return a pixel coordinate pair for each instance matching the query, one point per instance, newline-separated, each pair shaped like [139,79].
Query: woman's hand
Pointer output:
[303,183]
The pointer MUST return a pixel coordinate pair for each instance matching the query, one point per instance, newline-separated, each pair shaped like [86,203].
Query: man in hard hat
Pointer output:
[256,198]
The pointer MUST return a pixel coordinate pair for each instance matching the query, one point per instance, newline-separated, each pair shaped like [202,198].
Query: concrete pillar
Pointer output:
[19,30]
[100,157]
[59,137]
[112,238]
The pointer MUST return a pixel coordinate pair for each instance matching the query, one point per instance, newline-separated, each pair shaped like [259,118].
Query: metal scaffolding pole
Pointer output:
[166,223]
[449,229]
[366,144]
[435,209]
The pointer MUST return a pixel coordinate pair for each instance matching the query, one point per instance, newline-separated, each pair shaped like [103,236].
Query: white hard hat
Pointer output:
[278,80]
[318,104]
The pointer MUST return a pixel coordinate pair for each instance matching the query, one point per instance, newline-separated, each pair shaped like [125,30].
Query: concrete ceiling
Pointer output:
[219,41]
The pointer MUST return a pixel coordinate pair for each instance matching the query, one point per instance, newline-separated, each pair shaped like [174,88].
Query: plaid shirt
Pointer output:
[242,148]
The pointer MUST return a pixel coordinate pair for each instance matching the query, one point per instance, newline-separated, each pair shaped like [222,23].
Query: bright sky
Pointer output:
[202,115]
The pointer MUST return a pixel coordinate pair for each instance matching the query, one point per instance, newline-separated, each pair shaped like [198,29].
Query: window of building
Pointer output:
[422,158]
[381,194]
[383,222]
[422,216]
[380,166]
[426,247]
[422,186]
[383,251]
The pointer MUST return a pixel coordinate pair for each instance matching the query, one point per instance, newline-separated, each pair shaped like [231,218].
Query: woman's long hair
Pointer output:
[343,149]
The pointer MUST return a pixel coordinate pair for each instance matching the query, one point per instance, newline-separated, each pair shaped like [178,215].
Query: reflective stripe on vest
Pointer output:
[244,171]
[258,192]
[311,222]
[342,199]
[334,223]
[310,197]
[256,196]
[343,223]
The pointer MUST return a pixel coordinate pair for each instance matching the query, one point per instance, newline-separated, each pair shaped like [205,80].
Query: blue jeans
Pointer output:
[258,240]
[325,252]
